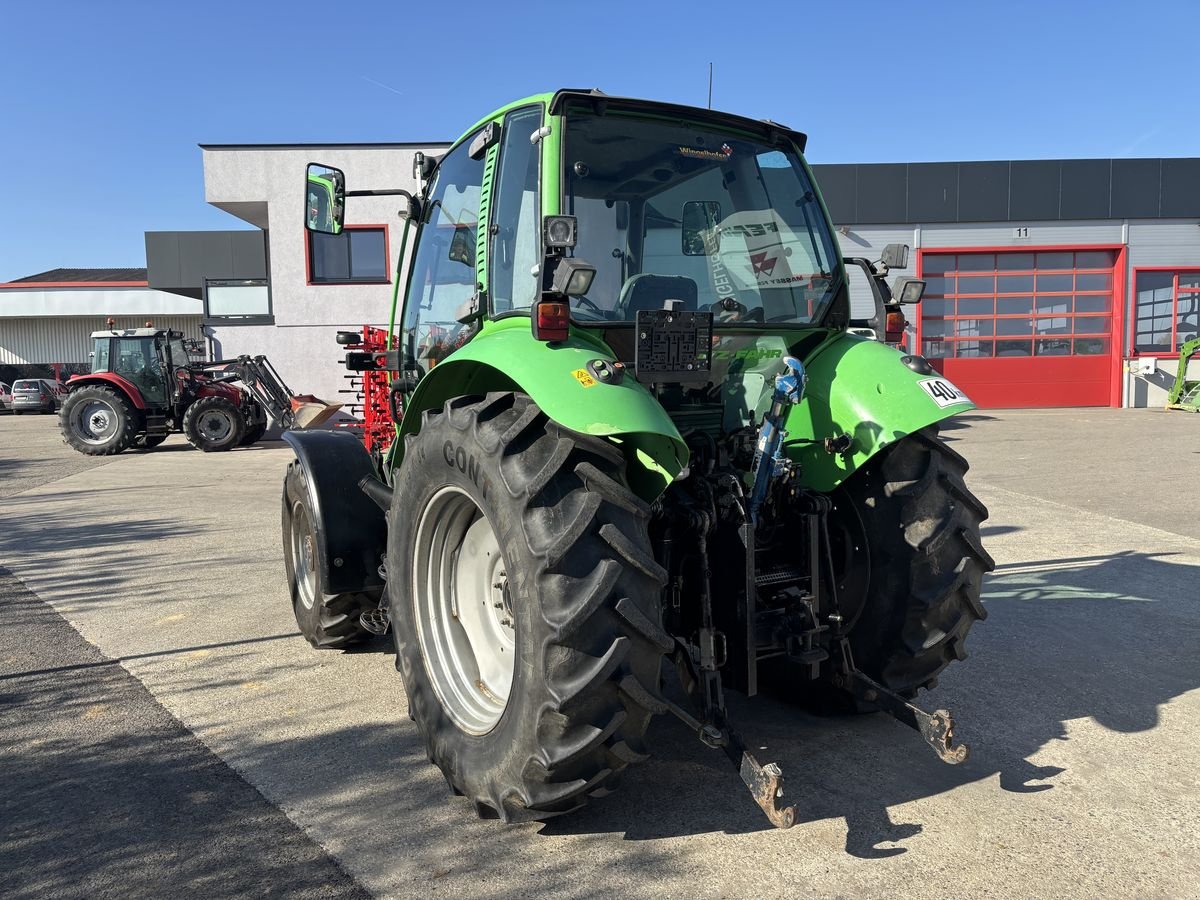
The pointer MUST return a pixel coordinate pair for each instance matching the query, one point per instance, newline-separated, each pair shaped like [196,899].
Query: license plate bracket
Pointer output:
[673,346]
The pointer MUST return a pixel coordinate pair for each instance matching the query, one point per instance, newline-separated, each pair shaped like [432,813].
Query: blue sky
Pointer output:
[104,102]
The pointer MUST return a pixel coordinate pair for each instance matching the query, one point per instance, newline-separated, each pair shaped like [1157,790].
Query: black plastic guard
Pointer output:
[350,527]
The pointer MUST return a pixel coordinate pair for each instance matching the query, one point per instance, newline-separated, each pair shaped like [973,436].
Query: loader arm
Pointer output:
[266,385]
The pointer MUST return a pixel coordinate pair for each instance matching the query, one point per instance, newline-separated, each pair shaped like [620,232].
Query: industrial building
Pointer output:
[46,319]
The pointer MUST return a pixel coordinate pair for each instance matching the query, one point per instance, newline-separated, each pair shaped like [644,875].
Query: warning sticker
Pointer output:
[582,376]
[943,392]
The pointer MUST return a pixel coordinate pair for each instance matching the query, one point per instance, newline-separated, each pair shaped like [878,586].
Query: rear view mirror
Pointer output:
[700,235]
[324,199]
[895,256]
[462,246]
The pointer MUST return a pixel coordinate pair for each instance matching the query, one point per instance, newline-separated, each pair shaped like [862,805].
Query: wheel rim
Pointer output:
[214,426]
[304,556]
[463,610]
[94,421]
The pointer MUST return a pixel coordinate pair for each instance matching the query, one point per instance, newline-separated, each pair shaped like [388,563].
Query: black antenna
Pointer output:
[710,85]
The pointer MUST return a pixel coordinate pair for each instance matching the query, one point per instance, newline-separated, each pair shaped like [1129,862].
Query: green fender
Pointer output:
[505,356]
[861,388]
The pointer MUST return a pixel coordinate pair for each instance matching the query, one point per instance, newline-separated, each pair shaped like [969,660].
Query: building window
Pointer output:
[1017,304]
[1166,310]
[359,255]
[239,302]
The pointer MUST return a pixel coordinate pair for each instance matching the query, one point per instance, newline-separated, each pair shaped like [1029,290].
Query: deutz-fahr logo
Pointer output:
[749,353]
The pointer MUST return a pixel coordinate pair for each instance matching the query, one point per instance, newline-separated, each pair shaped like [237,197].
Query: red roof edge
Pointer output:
[38,285]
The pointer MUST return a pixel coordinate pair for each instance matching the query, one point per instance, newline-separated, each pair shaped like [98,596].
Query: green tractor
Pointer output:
[635,438]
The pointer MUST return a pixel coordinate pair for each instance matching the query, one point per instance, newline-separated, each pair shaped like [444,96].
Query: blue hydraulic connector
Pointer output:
[769,461]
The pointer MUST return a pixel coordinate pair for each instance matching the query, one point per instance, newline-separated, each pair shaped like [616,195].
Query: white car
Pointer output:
[6,399]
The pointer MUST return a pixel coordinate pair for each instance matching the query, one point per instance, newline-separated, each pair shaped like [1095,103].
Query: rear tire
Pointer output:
[576,582]
[328,622]
[97,421]
[927,562]
[213,424]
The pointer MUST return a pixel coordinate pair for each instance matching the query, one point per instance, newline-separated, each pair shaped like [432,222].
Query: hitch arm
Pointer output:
[936,727]
[765,782]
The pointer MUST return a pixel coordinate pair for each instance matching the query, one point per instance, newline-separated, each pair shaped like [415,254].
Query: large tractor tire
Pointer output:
[524,599]
[327,621]
[926,563]
[98,421]
[213,424]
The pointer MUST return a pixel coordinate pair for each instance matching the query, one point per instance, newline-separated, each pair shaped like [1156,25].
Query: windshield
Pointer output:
[673,211]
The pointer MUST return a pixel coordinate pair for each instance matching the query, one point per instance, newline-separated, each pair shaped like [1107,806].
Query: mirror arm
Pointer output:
[395,192]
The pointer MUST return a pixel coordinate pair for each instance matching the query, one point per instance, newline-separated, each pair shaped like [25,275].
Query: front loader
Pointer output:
[640,459]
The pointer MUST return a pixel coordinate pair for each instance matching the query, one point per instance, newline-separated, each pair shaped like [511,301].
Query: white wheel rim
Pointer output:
[463,610]
[94,421]
[304,556]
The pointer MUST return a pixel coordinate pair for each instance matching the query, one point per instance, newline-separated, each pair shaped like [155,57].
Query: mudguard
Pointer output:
[350,528]
[866,390]
[109,379]
[505,356]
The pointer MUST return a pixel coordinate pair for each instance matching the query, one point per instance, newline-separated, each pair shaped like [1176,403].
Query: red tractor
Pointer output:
[143,387]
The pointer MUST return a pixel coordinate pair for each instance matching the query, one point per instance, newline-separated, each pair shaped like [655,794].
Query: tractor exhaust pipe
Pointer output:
[377,491]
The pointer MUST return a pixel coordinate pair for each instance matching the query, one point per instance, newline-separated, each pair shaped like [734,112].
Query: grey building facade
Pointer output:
[1050,282]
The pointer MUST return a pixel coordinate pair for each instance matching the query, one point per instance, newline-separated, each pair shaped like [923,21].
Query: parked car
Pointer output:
[6,401]
[36,395]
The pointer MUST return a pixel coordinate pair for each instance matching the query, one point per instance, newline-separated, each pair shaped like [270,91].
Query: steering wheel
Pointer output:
[592,306]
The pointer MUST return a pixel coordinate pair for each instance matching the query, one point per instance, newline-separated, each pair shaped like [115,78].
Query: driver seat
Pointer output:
[649,291]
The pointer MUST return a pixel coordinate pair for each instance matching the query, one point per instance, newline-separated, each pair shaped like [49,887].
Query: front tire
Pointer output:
[524,598]
[213,424]
[327,621]
[97,421]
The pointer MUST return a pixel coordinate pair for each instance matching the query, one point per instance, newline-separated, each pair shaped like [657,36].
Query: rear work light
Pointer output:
[551,320]
[895,327]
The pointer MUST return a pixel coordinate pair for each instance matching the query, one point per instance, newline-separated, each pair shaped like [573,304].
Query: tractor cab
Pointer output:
[147,358]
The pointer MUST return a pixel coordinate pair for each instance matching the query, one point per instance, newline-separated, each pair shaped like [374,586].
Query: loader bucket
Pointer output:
[310,412]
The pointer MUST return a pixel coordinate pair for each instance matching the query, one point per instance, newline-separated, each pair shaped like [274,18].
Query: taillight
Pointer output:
[552,320]
[895,327]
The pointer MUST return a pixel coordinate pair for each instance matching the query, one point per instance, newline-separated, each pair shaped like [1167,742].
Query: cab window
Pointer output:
[514,214]
[443,281]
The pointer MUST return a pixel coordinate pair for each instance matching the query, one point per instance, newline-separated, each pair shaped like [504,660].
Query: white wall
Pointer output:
[301,343]
[26,302]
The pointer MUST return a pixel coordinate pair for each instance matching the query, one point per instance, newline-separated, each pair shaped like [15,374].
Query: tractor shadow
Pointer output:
[1106,638]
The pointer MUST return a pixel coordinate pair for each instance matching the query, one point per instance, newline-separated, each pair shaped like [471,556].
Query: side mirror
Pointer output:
[324,199]
[907,290]
[700,235]
[895,256]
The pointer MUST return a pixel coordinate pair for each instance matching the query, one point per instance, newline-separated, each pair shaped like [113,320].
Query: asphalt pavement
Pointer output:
[1080,701]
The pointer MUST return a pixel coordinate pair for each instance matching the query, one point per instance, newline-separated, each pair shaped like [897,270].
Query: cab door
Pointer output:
[138,361]
[445,281]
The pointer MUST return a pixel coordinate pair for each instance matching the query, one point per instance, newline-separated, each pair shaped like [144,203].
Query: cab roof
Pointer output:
[130,332]
[600,102]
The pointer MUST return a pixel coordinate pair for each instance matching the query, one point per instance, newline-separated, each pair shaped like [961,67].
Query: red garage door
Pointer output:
[1024,328]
